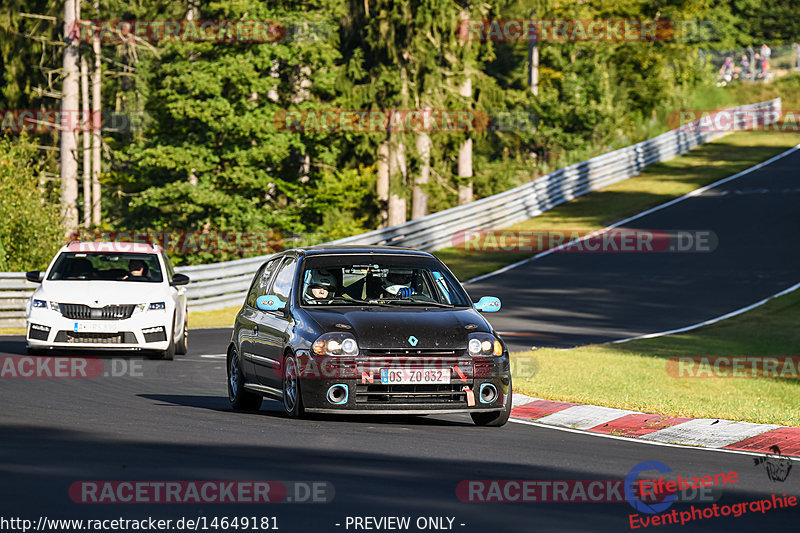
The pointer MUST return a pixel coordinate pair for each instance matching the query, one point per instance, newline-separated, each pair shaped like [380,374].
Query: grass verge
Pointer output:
[656,185]
[218,318]
[633,375]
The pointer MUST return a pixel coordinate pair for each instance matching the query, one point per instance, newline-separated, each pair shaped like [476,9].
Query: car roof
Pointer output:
[332,249]
[113,247]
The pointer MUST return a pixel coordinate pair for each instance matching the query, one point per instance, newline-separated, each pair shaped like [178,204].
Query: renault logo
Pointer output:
[412,340]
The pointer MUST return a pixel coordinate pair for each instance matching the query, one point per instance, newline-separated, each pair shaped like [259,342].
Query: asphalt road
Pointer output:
[170,421]
[573,298]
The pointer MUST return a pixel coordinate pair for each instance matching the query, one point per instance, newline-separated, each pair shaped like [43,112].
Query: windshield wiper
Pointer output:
[421,302]
[342,299]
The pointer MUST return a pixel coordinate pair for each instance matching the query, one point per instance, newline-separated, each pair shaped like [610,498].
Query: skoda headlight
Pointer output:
[336,343]
[484,344]
[39,303]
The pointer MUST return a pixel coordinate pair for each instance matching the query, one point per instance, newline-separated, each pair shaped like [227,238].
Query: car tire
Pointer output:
[292,399]
[240,398]
[169,353]
[182,347]
[494,418]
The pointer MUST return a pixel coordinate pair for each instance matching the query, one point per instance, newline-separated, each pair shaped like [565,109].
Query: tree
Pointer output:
[31,231]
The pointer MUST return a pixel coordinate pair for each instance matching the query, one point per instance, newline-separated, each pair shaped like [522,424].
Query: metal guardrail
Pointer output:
[218,285]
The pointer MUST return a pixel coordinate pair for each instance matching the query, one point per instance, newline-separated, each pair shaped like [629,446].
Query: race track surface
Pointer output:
[571,298]
[171,421]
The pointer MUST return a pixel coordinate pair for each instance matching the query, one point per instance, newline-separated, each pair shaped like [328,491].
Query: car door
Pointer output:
[249,320]
[274,326]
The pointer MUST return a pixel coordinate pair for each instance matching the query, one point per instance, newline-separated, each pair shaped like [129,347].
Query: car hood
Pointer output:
[380,328]
[101,293]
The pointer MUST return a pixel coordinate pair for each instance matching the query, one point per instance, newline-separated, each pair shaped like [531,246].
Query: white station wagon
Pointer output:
[109,295]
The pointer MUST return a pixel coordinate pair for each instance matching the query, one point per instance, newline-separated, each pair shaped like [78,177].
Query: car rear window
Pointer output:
[141,268]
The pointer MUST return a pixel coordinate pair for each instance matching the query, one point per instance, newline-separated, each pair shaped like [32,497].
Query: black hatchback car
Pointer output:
[374,329]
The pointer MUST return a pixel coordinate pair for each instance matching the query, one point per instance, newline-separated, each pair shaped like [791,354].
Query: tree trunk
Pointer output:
[96,133]
[397,178]
[382,165]
[419,198]
[533,60]
[465,157]
[69,106]
[87,143]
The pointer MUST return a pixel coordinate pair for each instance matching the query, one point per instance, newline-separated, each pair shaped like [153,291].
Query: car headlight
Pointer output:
[139,308]
[40,304]
[158,306]
[55,307]
[484,344]
[337,343]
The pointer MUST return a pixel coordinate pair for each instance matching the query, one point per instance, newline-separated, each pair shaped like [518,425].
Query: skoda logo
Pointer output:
[412,340]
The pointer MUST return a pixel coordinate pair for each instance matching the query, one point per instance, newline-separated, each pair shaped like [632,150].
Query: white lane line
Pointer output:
[692,194]
[584,416]
[215,356]
[710,321]
[639,440]
[709,432]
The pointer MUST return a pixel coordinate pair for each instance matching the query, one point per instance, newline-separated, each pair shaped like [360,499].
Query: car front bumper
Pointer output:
[147,330]
[365,393]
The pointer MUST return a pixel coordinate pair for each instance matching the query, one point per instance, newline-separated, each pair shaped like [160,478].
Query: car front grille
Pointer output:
[410,394]
[122,337]
[84,312]
[412,352]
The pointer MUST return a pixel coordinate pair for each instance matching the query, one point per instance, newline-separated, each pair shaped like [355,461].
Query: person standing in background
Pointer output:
[796,48]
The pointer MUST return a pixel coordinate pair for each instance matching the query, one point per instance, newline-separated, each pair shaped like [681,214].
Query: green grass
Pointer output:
[633,375]
[657,184]
[218,318]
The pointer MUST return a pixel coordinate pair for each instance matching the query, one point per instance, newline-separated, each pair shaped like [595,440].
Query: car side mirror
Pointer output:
[269,303]
[34,276]
[179,279]
[488,304]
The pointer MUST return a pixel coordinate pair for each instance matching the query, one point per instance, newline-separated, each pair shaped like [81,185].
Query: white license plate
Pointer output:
[423,375]
[94,327]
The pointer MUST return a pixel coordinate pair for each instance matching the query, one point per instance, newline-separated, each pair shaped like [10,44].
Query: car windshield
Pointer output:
[380,281]
[107,267]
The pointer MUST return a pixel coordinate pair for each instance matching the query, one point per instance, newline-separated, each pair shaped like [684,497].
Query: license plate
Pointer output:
[94,327]
[423,375]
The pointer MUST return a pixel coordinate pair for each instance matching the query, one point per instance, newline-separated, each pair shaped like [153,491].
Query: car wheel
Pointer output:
[182,348]
[292,399]
[241,399]
[494,418]
[169,353]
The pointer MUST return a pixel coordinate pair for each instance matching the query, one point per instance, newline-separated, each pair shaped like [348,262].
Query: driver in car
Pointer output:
[398,282]
[321,287]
